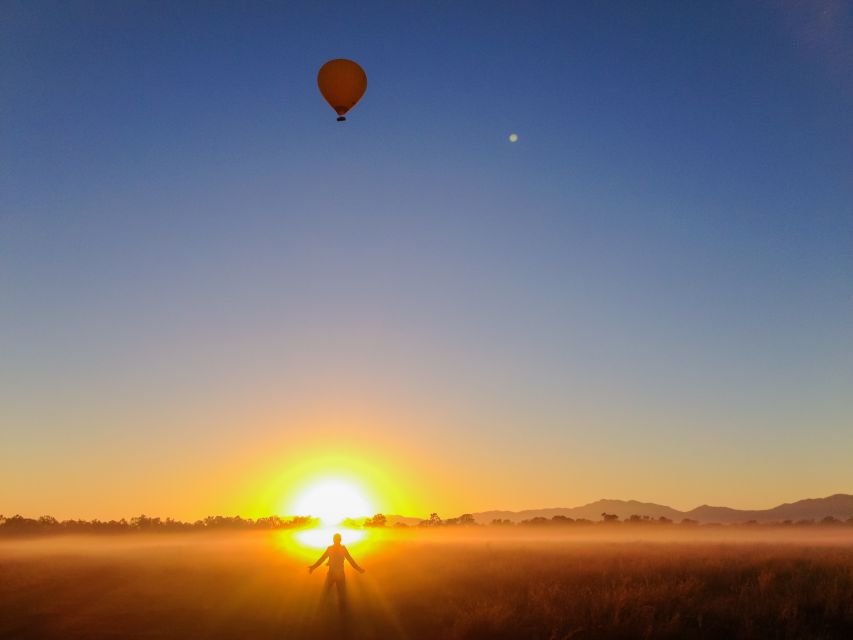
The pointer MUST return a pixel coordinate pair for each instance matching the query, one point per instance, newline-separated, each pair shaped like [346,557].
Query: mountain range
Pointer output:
[838,506]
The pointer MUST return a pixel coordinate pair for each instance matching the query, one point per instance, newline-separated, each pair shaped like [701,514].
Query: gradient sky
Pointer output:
[206,283]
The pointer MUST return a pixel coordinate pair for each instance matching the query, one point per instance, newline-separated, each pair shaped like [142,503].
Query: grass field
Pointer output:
[254,585]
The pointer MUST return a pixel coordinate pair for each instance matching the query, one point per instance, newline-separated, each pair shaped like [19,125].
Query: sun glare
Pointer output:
[333,489]
[332,501]
[321,537]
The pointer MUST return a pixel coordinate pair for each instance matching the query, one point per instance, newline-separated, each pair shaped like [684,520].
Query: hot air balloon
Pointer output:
[342,83]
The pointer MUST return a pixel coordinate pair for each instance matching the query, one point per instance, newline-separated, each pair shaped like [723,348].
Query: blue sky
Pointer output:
[649,295]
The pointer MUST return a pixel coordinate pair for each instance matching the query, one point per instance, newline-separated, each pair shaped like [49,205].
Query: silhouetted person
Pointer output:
[335,556]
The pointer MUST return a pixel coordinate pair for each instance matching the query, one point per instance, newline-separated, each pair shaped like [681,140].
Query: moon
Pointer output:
[513,137]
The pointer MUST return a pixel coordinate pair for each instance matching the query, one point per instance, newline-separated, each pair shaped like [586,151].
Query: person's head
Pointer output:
[336,538]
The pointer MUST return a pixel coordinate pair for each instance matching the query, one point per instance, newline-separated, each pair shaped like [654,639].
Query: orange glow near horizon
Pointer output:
[309,480]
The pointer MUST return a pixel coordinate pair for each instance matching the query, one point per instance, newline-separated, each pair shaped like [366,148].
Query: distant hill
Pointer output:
[591,511]
[838,506]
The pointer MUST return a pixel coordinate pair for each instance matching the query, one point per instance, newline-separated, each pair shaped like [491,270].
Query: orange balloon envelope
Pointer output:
[342,83]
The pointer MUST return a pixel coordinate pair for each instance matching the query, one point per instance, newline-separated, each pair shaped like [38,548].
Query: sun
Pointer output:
[333,500]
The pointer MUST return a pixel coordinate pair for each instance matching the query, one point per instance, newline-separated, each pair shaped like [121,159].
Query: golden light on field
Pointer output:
[306,544]
[321,537]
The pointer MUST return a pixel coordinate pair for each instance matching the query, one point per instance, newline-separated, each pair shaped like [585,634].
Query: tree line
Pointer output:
[18,525]
[467,519]
[613,519]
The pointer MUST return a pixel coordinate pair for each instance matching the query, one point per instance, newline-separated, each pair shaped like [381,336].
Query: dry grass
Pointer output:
[246,587]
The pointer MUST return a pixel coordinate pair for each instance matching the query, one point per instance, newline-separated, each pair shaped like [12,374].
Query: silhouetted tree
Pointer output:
[19,525]
[377,520]
[48,521]
[609,517]
[145,523]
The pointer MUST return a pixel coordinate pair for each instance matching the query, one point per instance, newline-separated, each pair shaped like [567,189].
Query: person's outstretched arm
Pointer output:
[352,562]
[319,562]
